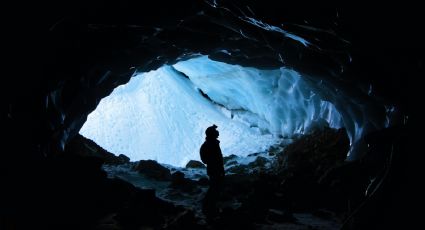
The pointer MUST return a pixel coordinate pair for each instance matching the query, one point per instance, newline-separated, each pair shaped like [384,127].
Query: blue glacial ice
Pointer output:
[162,115]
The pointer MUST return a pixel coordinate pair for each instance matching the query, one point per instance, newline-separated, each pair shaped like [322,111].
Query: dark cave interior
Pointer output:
[65,57]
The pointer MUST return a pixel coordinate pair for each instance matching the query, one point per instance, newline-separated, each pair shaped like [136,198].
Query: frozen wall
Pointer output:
[277,101]
[162,115]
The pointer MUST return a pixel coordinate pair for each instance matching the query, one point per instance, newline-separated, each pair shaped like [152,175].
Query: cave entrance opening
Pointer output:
[162,114]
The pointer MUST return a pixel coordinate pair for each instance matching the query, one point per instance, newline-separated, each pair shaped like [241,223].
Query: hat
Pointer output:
[211,131]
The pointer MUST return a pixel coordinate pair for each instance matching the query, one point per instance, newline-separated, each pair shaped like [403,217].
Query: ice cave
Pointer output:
[105,106]
[162,114]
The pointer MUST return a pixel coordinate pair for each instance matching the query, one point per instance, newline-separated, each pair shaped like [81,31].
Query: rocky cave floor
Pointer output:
[304,184]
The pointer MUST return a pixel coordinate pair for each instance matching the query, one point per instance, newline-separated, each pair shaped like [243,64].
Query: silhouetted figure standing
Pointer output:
[211,156]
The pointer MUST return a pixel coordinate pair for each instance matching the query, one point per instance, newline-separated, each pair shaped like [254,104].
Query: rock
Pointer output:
[178,181]
[153,169]
[259,162]
[275,150]
[228,158]
[145,211]
[82,146]
[177,177]
[316,153]
[231,163]
[195,164]
[238,169]
[303,164]
[123,159]
[254,154]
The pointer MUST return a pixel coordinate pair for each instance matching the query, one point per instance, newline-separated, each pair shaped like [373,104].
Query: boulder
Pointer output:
[178,181]
[229,163]
[84,147]
[153,169]
[238,169]
[122,159]
[259,162]
[228,158]
[195,164]
[177,178]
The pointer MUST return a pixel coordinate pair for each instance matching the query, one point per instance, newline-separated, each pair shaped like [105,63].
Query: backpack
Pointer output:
[204,155]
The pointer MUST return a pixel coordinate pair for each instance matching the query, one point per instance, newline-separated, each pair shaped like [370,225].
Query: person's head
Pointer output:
[212,132]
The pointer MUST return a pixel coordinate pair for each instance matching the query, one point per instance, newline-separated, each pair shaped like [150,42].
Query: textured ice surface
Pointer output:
[162,115]
[277,101]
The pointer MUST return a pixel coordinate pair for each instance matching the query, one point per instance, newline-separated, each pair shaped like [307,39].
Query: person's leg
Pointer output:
[209,205]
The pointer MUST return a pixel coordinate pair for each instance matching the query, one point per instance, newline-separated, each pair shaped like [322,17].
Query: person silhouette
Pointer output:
[211,156]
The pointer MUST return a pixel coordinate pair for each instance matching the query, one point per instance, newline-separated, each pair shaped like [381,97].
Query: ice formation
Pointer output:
[162,114]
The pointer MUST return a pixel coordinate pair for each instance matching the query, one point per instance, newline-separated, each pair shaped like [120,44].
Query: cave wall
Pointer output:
[77,53]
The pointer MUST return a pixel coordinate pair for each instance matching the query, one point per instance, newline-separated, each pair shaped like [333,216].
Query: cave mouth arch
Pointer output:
[113,48]
[162,114]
